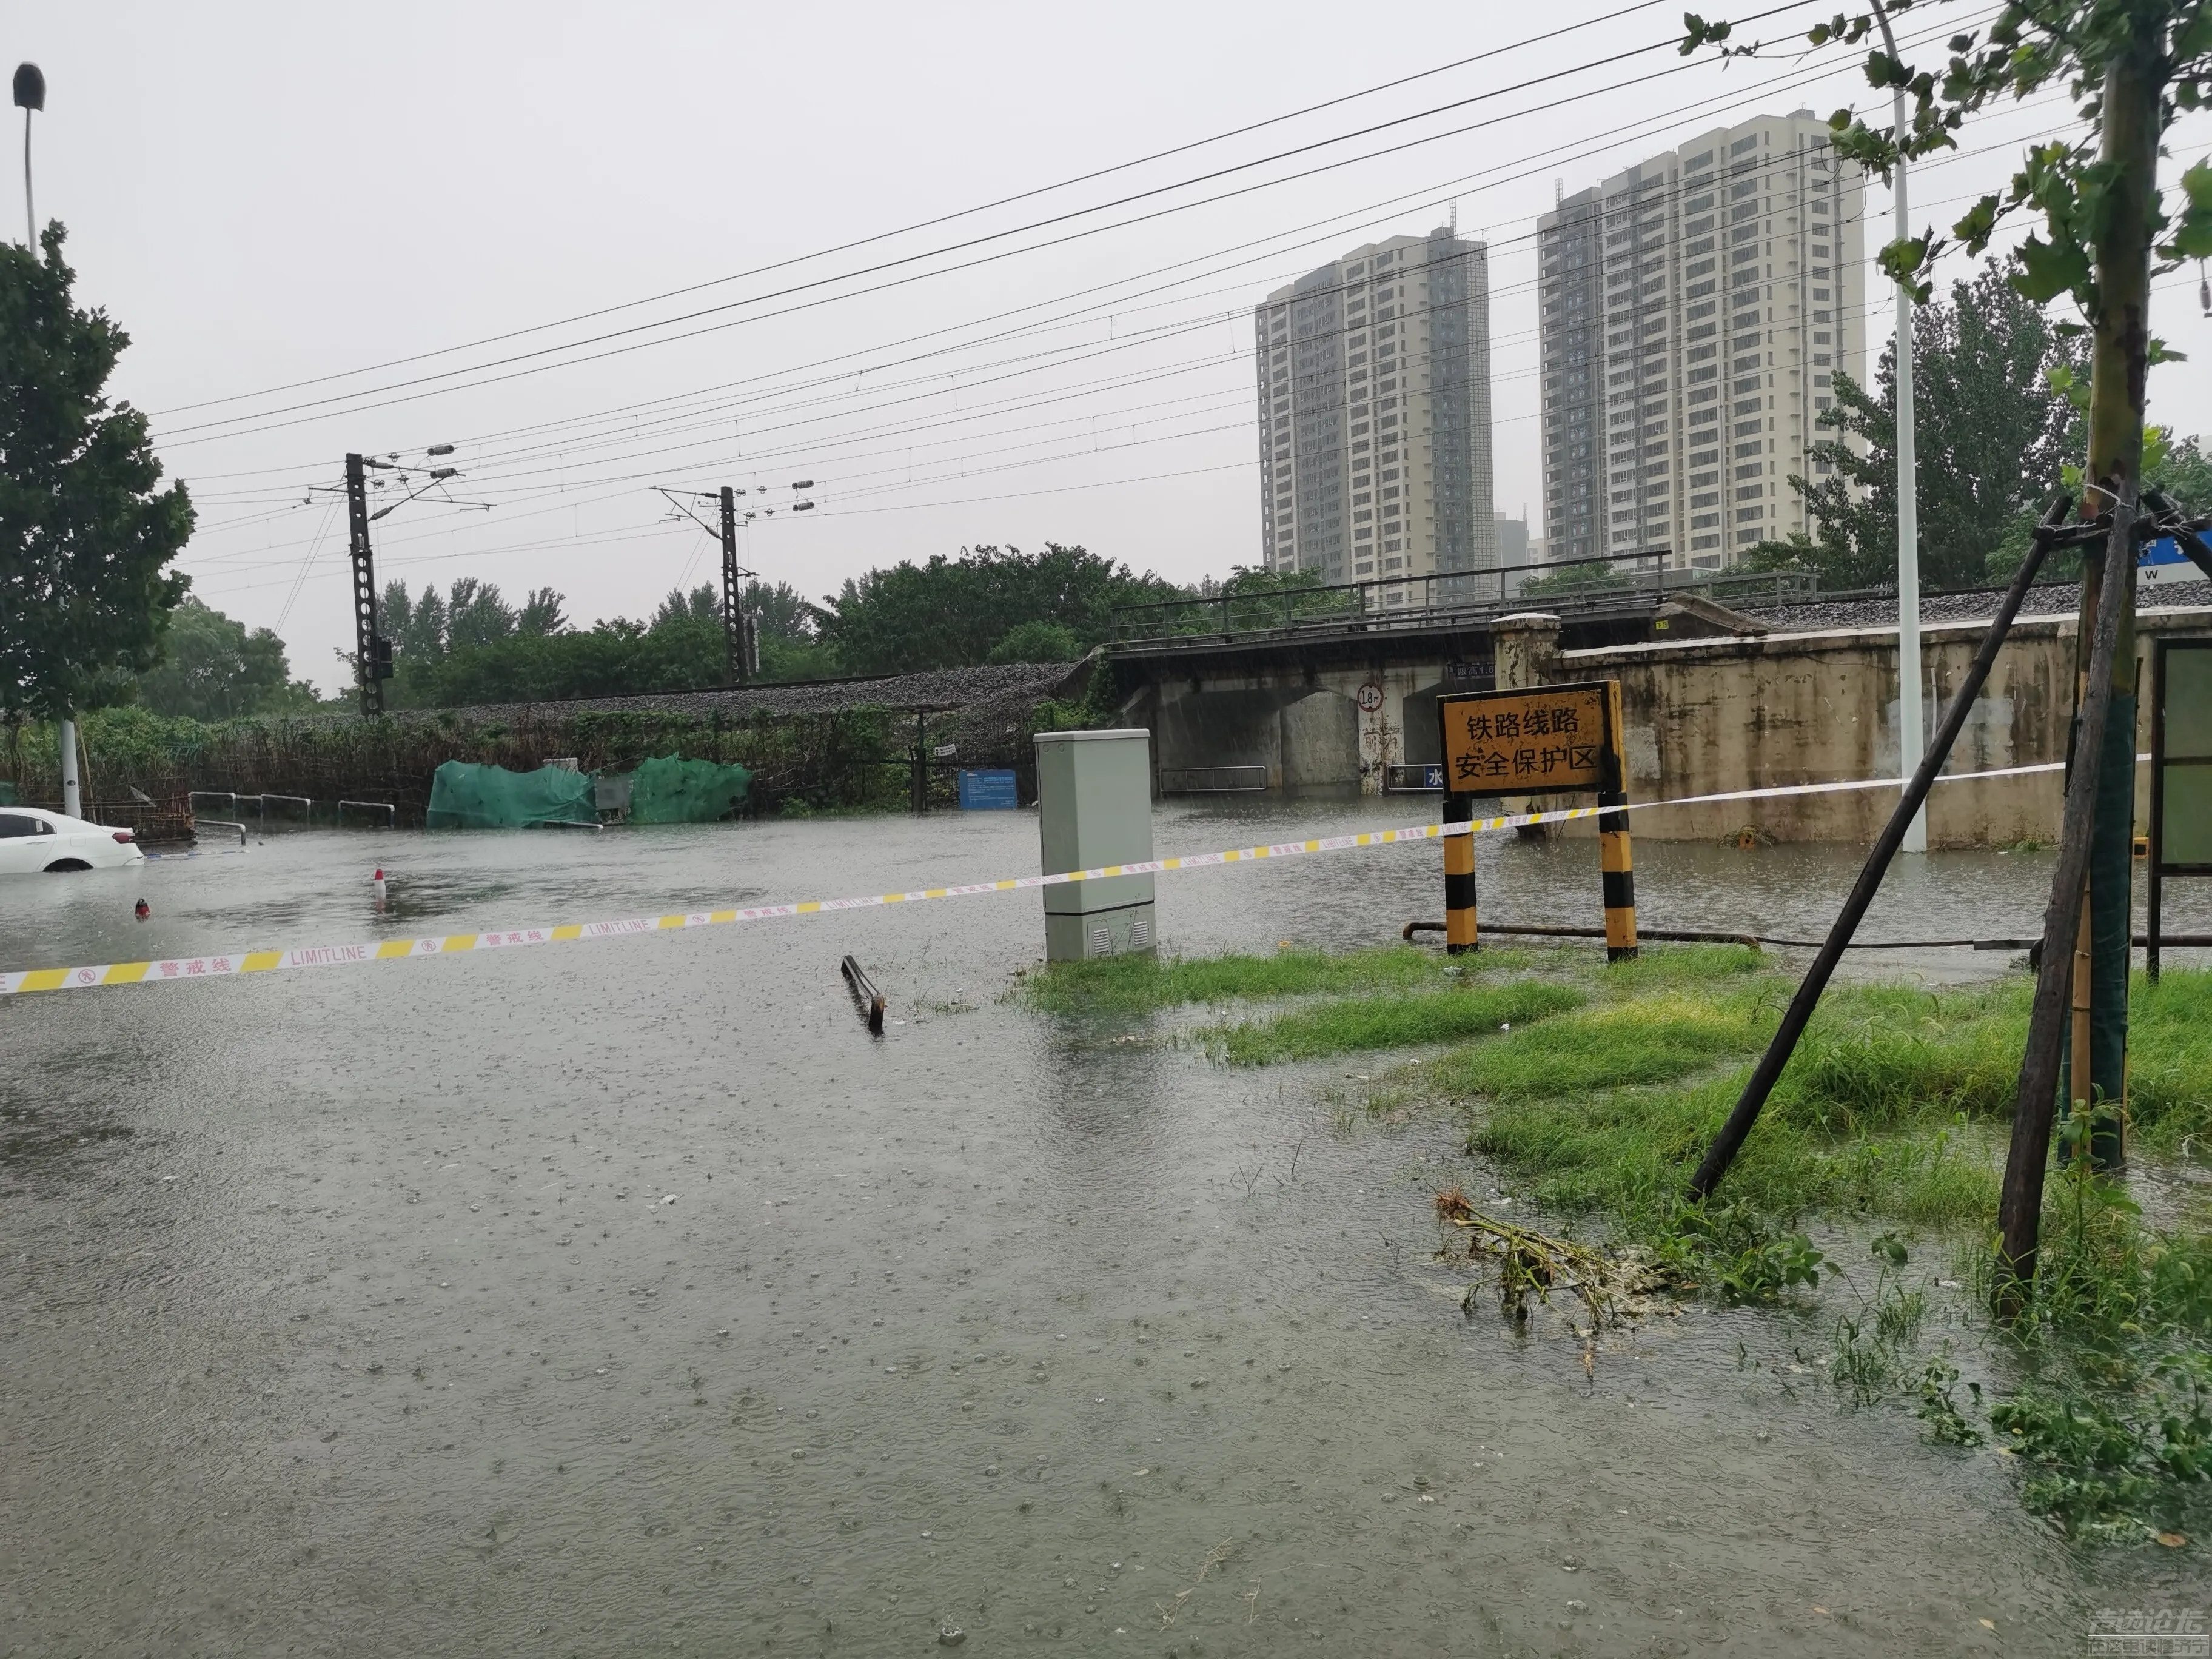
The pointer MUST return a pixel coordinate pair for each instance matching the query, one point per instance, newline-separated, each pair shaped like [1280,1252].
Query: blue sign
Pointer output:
[1433,778]
[988,792]
[2163,560]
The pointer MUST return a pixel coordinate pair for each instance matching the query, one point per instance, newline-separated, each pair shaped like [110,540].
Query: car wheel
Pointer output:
[63,867]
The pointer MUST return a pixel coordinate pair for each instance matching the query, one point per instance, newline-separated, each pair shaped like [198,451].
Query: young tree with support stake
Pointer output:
[2131,66]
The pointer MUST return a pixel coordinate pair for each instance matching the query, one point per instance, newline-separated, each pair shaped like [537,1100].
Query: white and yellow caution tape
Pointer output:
[340,956]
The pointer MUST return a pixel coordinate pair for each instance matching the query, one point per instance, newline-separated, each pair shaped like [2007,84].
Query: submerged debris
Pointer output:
[1609,1286]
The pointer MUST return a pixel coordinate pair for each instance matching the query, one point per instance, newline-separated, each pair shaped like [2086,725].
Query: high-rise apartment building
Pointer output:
[1374,416]
[1695,309]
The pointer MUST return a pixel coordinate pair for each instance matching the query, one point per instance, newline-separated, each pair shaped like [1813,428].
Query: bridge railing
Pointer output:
[1414,602]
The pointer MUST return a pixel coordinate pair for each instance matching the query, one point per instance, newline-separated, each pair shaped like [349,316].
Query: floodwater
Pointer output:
[627,1298]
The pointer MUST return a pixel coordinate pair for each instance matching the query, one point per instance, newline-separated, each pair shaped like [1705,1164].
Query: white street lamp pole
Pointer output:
[30,94]
[1909,739]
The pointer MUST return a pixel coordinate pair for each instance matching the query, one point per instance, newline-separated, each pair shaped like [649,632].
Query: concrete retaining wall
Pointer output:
[1707,716]
[1703,716]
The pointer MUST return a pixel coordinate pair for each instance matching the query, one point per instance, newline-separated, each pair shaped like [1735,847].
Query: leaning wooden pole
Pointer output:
[1729,1141]
[2020,1207]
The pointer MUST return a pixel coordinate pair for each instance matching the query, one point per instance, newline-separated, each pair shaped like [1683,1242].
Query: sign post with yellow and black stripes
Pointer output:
[1551,740]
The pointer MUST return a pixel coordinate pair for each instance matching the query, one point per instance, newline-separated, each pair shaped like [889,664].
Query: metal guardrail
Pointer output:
[306,804]
[1212,780]
[1420,602]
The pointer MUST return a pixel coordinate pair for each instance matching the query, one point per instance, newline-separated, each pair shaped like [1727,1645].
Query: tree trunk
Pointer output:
[2133,90]
[2118,364]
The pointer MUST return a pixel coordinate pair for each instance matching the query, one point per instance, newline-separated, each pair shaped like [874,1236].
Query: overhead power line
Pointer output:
[1243,464]
[989,410]
[244,424]
[923,224]
[1583,146]
[837,408]
[833,442]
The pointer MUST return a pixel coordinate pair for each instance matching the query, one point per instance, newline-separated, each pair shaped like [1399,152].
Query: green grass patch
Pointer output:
[1627,1154]
[1658,1038]
[2170,1061]
[1138,984]
[1657,967]
[1887,1056]
[1605,1111]
[1353,1024]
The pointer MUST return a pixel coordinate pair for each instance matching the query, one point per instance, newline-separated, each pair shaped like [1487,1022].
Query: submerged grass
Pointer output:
[1137,984]
[1596,1089]
[1352,1024]
[2115,1422]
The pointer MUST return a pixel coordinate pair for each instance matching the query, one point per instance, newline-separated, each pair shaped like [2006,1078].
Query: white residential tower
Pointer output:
[1374,385]
[1694,310]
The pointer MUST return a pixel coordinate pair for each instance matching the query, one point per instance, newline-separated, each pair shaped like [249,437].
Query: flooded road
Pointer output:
[626,1298]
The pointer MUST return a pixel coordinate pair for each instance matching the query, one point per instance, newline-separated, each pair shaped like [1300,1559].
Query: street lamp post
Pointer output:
[31,95]
[1909,738]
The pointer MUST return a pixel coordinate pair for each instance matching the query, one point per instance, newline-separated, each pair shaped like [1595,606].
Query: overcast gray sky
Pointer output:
[299,196]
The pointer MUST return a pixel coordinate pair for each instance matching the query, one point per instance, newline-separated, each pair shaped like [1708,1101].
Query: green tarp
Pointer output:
[7,796]
[465,797]
[672,790]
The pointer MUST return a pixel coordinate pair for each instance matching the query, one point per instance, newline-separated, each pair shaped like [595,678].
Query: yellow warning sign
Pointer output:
[1551,738]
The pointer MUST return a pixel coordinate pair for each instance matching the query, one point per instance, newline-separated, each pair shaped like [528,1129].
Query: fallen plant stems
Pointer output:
[1529,1261]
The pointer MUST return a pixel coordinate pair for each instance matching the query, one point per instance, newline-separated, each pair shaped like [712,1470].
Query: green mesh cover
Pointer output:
[465,797]
[672,790]
[7,796]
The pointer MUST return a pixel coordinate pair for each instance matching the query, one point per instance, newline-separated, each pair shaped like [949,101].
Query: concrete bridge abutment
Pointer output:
[1338,729]
[1713,702]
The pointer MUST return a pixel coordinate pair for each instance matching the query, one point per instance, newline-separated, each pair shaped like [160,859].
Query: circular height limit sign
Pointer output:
[1370,697]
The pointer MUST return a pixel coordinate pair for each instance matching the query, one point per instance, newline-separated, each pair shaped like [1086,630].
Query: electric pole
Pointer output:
[371,651]
[739,632]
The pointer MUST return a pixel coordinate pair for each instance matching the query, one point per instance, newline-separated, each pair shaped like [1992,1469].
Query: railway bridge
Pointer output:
[1333,687]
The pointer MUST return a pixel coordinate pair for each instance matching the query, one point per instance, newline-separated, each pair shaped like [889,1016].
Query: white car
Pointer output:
[33,839]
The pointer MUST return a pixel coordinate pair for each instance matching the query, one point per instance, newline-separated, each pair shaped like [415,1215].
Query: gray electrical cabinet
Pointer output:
[1095,809]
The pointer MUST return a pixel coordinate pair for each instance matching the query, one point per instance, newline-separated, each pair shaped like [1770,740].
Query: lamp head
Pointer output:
[30,87]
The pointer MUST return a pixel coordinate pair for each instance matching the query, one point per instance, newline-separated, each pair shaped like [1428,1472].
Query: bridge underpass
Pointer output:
[1323,688]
